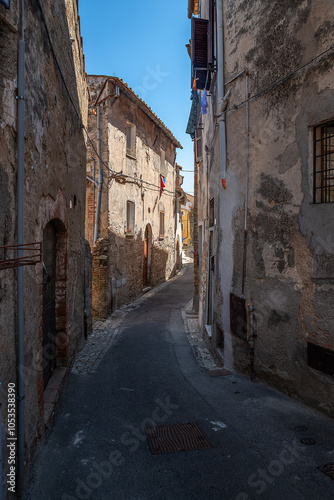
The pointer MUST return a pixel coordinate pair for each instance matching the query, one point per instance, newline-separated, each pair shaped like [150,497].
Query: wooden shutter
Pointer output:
[199,53]
[198,144]
[211,35]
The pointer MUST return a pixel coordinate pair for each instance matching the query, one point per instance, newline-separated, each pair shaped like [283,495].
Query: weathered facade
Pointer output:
[54,200]
[187,220]
[136,244]
[265,190]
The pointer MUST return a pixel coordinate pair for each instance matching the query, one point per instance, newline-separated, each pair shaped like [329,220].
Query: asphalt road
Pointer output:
[96,447]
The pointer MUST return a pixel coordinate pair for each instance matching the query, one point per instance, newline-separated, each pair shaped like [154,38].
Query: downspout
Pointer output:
[220,77]
[100,183]
[20,240]
[0,450]
[190,8]
[94,195]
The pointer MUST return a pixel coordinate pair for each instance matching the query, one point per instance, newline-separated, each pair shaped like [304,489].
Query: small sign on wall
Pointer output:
[6,3]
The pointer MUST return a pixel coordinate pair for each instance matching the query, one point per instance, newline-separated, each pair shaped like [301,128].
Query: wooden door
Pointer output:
[145,265]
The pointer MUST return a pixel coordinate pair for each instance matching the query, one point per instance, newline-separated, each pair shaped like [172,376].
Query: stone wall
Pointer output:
[133,178]
[54,190]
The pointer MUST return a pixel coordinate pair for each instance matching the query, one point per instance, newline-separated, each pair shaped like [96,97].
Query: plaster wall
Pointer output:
[289,277]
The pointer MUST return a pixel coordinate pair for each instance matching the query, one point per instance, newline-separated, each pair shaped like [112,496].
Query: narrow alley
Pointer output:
[96,447]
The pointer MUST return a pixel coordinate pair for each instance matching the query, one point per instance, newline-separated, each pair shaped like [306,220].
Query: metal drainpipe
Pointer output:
[220,60]
[190,8]
[20,241]
[99,192]
[0,450]
[246,195]
[94,196]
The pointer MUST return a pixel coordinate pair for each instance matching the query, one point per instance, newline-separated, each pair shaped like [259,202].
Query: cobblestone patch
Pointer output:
[202,354]
[97,344]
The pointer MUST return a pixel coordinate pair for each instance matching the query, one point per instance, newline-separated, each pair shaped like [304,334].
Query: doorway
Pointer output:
[210,284]
[54,317]
[147,257]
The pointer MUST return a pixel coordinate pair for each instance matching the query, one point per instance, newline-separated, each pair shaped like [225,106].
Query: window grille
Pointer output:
[323,147]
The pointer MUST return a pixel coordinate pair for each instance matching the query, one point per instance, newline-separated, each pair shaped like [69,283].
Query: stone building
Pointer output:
[179,199]
[264,160]
[132,224]
[54,97]
[187,220]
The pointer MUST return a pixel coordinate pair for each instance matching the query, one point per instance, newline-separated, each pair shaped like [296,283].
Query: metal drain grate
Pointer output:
[308,441]
[162,319]
[219,372]
[177,437]
[328,469]
[300,428]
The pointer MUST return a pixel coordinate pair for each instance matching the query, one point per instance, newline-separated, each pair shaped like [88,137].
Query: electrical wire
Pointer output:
[113,173]
[275,84]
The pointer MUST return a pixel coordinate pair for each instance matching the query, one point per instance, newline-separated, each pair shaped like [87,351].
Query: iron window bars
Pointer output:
[323,150]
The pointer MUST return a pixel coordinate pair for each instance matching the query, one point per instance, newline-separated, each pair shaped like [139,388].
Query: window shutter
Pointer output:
[199,53]
[198,144]
[211,35]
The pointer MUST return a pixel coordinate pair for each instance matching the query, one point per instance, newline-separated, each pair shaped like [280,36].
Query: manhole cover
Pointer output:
[177,437]
[328,469]
[219,372]
[307,441]
[163,318]
[300,428]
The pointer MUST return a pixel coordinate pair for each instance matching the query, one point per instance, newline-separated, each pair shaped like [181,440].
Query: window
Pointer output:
[163,162]
[130,217]
[162,225]
[131,140]
[198,145]
[202,49]
[323,148]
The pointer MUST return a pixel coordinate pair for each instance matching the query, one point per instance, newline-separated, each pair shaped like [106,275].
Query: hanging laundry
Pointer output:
[193,117]
[204,104]
[194,84]
[162,183]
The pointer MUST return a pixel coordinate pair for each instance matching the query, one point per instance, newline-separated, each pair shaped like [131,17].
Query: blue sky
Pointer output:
[143,42]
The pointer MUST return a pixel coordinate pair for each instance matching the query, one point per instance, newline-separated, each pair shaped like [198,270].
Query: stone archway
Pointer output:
[147,263]
[54,307]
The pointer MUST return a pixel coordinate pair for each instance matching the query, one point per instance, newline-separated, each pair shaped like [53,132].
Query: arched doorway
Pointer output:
[147,256]
[54,340]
